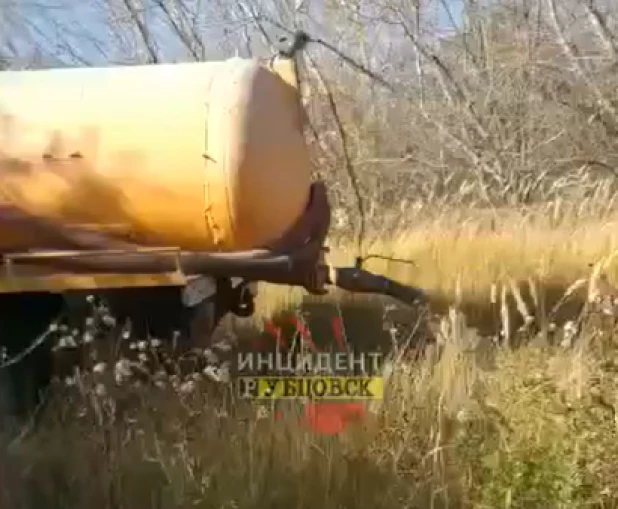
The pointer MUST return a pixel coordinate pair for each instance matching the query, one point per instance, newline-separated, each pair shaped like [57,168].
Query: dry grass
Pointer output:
[479,425]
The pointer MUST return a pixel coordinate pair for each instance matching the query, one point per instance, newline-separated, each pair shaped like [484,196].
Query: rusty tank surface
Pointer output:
[166,190]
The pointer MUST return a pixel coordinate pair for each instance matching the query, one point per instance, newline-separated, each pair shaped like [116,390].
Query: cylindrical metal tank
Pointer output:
[202,156]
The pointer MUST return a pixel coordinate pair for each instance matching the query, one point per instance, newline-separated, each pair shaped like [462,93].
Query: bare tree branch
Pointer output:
[600,23]
[572,53]
[143,31]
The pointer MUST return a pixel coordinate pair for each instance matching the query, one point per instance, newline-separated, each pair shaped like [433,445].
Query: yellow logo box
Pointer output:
[314,387]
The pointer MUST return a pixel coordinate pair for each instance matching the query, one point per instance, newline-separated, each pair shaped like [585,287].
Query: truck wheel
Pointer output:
[23,319]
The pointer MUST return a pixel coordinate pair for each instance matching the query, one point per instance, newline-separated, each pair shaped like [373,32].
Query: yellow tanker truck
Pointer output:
[175,181]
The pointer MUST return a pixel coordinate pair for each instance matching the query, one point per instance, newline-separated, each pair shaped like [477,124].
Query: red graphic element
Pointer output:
[338,332]
[329,418]
[332,418]
[305,333]
[275,333]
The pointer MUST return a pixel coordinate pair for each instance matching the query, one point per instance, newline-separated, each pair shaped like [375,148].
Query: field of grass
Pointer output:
[479,425]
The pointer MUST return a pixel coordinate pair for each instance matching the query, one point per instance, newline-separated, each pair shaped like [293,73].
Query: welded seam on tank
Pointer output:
[211,225]
[211,222]
[235,73]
